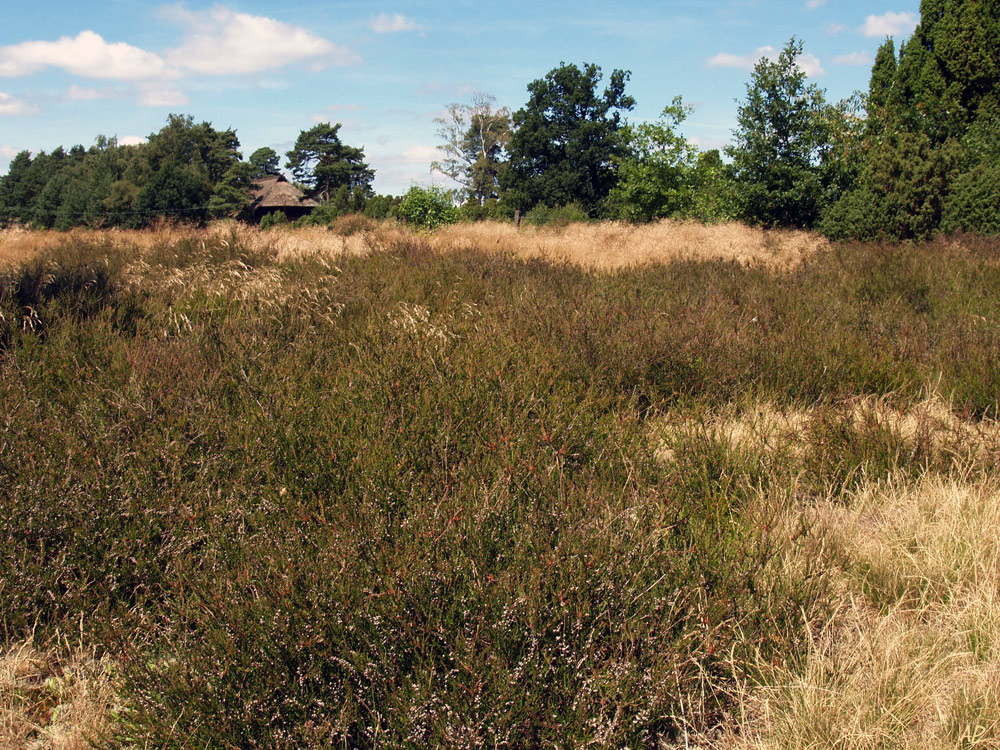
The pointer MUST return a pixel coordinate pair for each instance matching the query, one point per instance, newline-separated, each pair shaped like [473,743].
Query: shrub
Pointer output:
[273,219]
[427,207]
[560,216]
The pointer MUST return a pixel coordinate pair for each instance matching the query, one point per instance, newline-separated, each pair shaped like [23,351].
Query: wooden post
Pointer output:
[517,218]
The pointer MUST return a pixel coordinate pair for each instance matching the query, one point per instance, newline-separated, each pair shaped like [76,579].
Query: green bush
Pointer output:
[427,207]
[273,219]
[560,216]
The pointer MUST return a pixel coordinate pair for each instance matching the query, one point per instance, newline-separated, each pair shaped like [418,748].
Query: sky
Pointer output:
[74,69]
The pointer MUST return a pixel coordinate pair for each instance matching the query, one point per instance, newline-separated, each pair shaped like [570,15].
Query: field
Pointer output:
[599,486]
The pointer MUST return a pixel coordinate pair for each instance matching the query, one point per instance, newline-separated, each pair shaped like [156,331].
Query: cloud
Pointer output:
[418,154]
[743,62]
[87,54]
[160,95]
[889,24]
[221,41]
[809,63]
[85,94]
[131,140]
[854,58]
[12,106]
[835,28]
[813,4]
[8,152]
[386,24]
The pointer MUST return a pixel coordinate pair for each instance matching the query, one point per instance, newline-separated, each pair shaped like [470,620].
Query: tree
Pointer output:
[265,161]
[322,163]
[566,140]
[656,177]
[781,138]
[475,136]
[232,195]
[177,192]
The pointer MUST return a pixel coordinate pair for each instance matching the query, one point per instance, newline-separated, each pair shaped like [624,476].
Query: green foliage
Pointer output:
[320,161]
[265,161]
[426,207]
[566,140]
[781,138]
[556,216]
[232,195]
[380,206]
[929,159]
[657,176]
[713,194]
[273,219]
[175,193]
[474,139]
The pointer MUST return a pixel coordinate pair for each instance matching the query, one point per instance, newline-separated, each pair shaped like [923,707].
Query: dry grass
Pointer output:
[768,429]
[911,657]
[603,246]
[50,701]
[609,246]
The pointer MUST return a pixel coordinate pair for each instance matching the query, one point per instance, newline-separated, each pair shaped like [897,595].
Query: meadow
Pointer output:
[597,486]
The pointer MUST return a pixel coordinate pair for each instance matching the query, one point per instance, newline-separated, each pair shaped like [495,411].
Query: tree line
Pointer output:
[915,154]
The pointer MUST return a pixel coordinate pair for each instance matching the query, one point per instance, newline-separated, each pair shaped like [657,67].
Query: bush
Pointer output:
[273,219]
[560,216]
[427,207]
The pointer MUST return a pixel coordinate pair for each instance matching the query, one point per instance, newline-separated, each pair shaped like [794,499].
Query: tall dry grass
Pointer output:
[614,245]
[605,246]
[910,655]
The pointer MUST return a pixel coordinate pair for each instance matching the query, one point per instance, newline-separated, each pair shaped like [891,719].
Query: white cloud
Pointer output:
[854,58]
[160,95]
[386,24]
[809,63]
[813,4]
[11,106]
[86,54]
[889,24]
[8,152]
[743,62]
[131,140]
[418,154]
[835,28]
[84,93]
[221,41]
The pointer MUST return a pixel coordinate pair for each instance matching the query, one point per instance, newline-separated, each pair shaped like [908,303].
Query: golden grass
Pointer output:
[52,702]
[911,656]
[768,429]
[613,245]
[604,246]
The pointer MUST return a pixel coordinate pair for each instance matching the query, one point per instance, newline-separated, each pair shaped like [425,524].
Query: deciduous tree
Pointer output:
[780,140]
[474,137]
[566,139]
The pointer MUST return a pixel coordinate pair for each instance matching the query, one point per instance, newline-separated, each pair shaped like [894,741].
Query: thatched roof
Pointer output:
[274,191]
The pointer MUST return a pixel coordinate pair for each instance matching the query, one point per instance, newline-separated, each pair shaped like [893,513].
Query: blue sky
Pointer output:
[73,69]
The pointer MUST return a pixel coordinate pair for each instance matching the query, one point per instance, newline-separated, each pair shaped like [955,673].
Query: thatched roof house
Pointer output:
[275,193]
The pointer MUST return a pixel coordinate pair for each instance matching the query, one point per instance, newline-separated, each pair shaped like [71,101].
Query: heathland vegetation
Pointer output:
[914,155]
[608,485]
[392,479]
